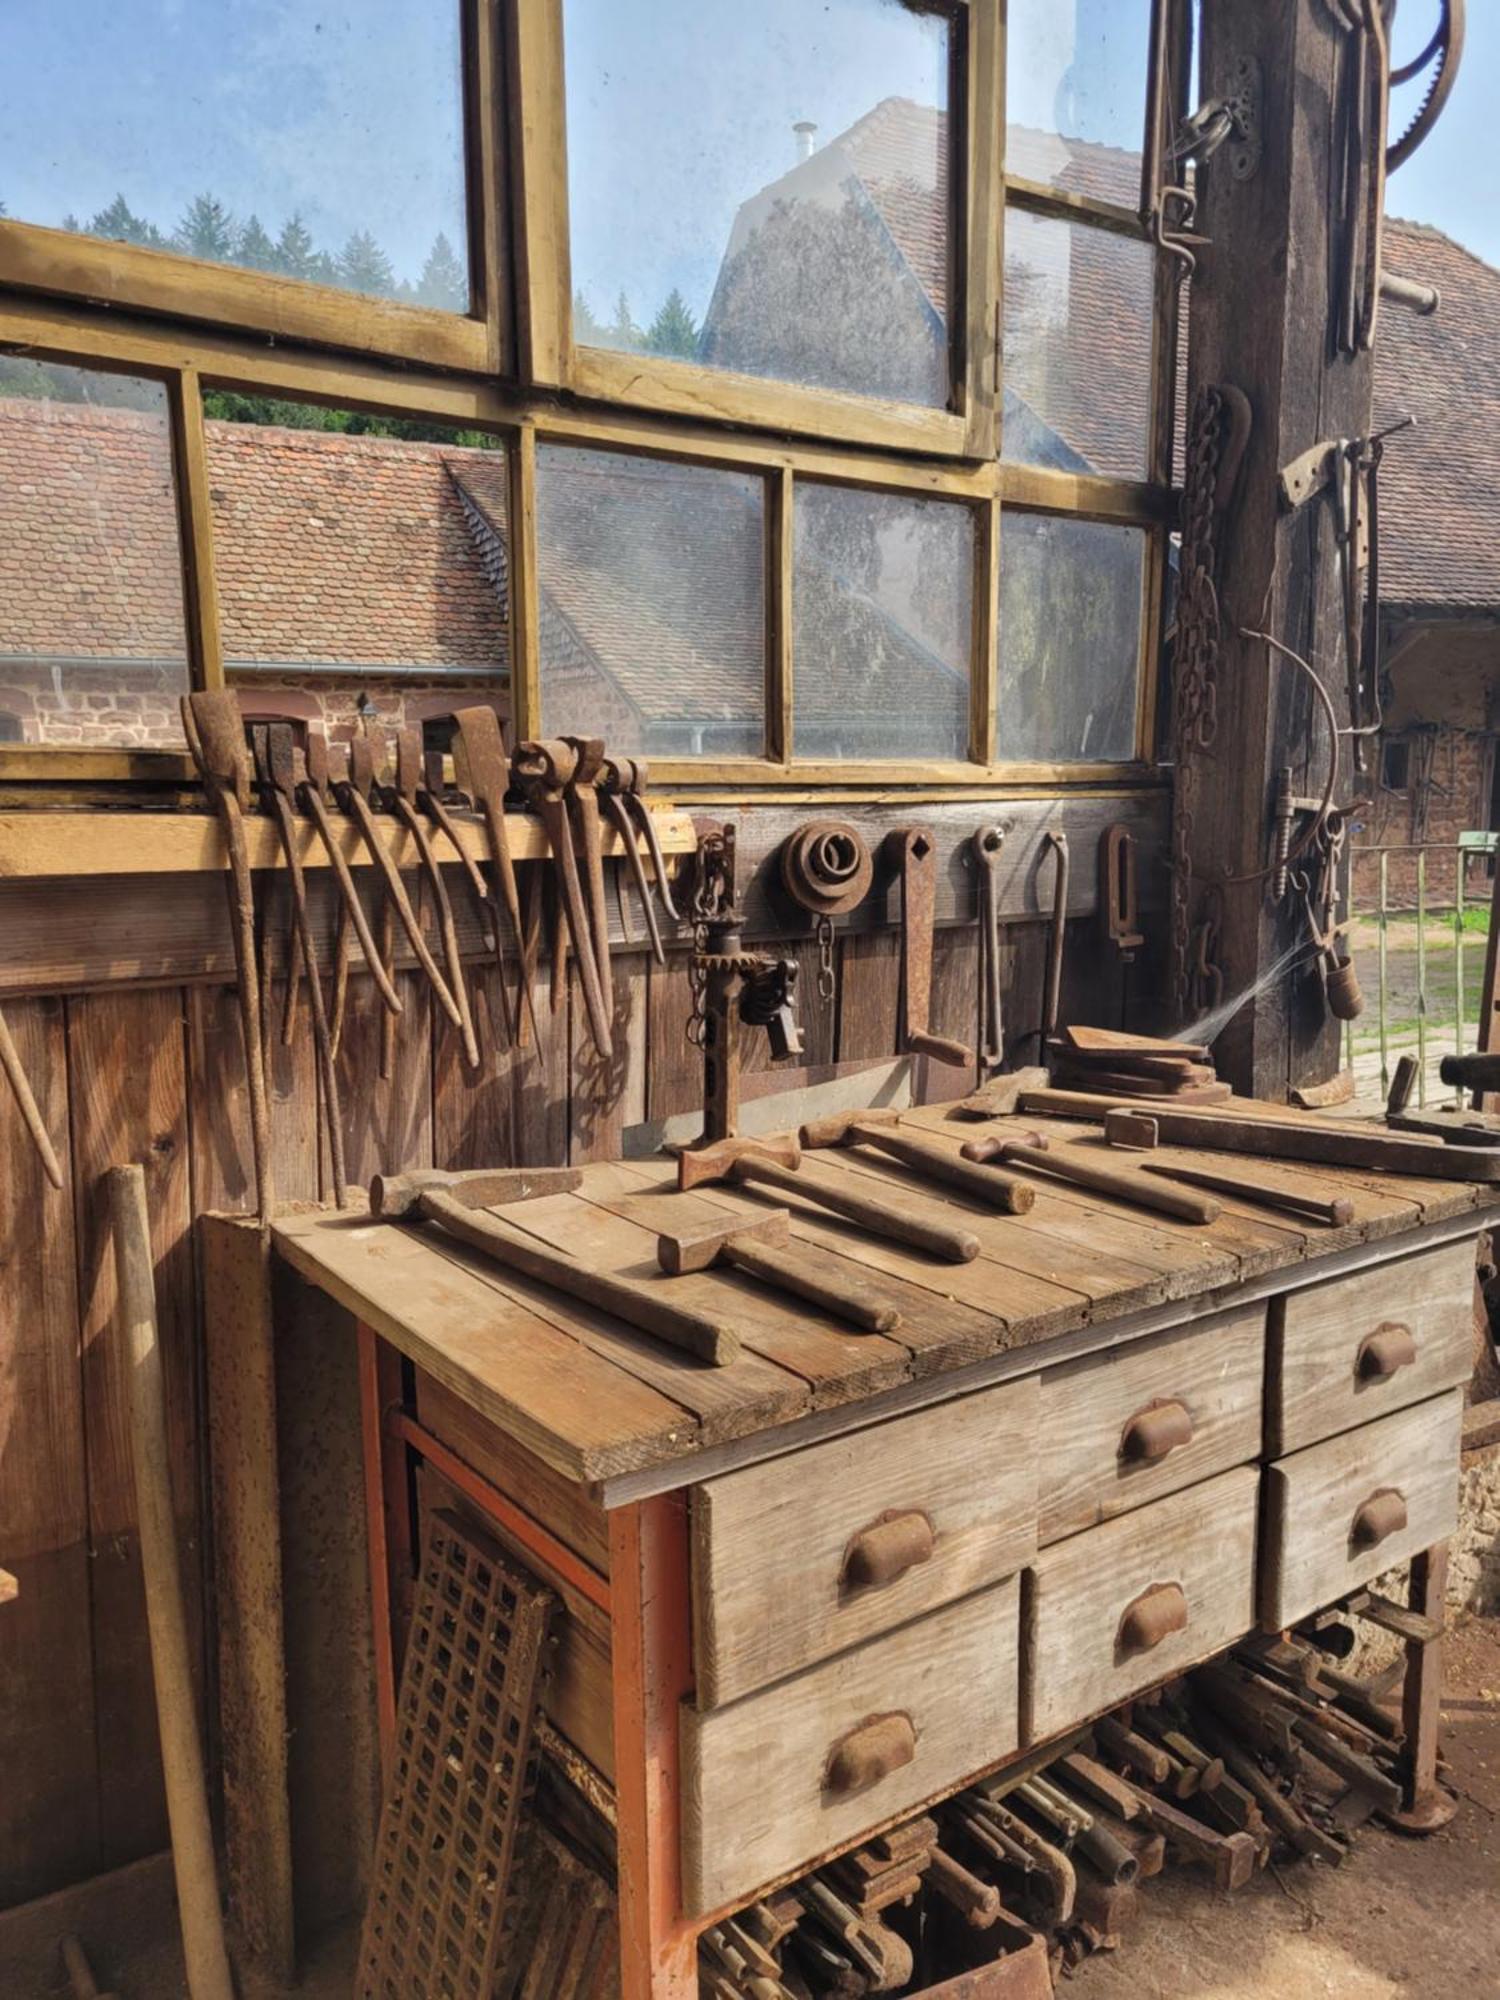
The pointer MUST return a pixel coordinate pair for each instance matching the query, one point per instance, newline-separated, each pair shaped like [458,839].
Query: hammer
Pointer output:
[1070,1166]
[761,1249]
[775,1162]
[459,1202]
[1007,1192]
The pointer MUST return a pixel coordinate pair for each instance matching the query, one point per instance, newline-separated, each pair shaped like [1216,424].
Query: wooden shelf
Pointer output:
[59,843]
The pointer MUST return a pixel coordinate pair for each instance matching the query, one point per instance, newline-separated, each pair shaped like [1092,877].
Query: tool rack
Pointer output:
[696,1522]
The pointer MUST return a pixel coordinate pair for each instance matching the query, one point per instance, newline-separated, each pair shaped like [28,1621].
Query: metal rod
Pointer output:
[1383,919]
[1421,978]
[1458,962]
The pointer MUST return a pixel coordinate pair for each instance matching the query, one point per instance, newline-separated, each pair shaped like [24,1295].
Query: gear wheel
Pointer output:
[1446,48]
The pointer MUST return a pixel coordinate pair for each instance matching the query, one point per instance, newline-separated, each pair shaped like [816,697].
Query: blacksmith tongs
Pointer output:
[621,783]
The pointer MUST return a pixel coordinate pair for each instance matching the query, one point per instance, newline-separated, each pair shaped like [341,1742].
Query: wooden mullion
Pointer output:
[1148,671]
[980,226]
[1045,491]
[984,652]
[780,616]
[537,100]
[200,587]
[525,594]
[1065,206]
[484,153]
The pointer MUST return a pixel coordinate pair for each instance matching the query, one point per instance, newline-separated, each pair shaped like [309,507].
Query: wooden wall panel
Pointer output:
[675,1080]
[869,976]
[607,1093]
[223,1168]
[474,1111]
[49,1829]
[954,1012]
[541,1083]
[387,1121]
[128,1087]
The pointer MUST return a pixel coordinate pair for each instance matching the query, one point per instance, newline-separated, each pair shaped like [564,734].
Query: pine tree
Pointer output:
[295,256]
[364,267]
[444,282]
[120,224]
[587,331]
[207,230]
[71,223]
[625,332]
[254,247]
[673,331]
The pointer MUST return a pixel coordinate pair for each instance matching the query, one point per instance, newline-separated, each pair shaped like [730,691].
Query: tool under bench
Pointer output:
[793,1612]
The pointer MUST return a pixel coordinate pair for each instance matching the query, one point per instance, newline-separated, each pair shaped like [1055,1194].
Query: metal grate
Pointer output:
[465,1754]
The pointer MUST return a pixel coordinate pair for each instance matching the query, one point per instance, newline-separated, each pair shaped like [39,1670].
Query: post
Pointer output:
[1425,1806]
[1262,320]
[652,1655]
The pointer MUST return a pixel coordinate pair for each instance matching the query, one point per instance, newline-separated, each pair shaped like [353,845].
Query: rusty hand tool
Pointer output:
[1099,1178]
[698,1165]
[986,846]
[404,798]
[546,769]
[353,796]
[926,1156]
[479,750]
[582,794]
[26,1104]
[276,771]
[313,796]
[430,799]
[761,1248]
[442,1198]
[619,790]
[999,1097]
[1332,1211]
[216,737]
[914,853]
[1058,935]
[953,1244]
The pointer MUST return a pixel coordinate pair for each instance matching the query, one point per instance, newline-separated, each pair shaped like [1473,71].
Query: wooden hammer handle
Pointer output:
[846,1298]
[1120,1183]
[954,1245]
[1007,1192]
[643,1306]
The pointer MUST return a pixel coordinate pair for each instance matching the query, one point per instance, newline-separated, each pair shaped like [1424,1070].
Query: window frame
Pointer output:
[36,258]
[169,344]
[550,358]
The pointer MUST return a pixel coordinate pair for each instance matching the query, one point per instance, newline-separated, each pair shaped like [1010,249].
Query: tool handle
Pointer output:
[1474,1072]
[643,1306]
[10,1062]
[1113,1181]
[395,888]
[849,1299]
[942,1048]
[868,1753]
[354,909]
[1006,1192]
[955,1246]
[881,1554]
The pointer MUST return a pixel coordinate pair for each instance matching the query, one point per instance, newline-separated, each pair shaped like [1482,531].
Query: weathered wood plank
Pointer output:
[387,1121]
[223,1167]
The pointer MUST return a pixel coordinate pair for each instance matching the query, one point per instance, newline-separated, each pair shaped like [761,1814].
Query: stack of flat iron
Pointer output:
[1105,1062]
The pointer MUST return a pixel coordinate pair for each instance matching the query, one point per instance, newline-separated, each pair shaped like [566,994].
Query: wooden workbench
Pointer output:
[694,1520]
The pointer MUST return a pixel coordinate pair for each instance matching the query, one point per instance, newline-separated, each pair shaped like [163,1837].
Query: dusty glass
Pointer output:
[1078,340]
[364,576]
[883,600]
[323,143]
[1075,94]
[763,189]
[1070,639]
[652,603]
[93,653]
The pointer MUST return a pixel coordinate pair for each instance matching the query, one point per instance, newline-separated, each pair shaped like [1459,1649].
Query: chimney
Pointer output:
[805,131]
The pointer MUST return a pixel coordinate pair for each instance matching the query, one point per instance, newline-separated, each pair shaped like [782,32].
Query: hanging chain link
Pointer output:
[1195,668]
[827,985]
[712,901]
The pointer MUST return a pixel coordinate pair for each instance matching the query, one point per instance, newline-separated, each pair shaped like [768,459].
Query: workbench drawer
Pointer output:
[801,1557]
[1140,1598]
[773,1781]
[1346,1352]
[1341,1512]
[1129,1426]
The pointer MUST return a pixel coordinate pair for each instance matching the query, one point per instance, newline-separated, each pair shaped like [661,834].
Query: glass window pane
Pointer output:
[652,603]
[764,188]
[1070,639]
[882,606]
[1078,318]
[318,142]
[362,573]
[1075,94]
[92,647]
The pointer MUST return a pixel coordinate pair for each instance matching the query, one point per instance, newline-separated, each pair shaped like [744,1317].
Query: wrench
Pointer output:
[986,846]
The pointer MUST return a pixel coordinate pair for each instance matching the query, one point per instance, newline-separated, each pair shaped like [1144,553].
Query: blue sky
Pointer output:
[1450,180]
[347,111]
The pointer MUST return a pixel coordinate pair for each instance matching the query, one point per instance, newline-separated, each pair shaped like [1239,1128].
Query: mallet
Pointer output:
[760,1246]
[460,1203]
[927,1156]
[1066,1165]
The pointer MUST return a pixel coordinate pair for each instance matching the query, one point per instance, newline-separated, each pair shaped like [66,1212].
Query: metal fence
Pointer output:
[1441,1015]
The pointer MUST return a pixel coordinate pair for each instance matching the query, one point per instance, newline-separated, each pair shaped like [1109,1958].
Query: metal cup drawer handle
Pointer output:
[1159,1428]
[1382,1515]
[881,1554]
[1153,1616]
[1389,1348]
[870,1751]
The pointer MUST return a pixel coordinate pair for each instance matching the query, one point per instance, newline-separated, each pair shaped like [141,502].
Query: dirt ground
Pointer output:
[1401,1920]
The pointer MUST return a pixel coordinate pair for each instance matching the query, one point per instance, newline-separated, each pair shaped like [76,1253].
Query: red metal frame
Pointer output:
[652,1652]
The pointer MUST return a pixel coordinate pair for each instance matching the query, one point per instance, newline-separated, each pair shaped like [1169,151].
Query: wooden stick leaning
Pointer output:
[193,1864]
[437,1197]
[26,1104]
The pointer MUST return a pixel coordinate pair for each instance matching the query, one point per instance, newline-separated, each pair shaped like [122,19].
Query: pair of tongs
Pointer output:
[622,780]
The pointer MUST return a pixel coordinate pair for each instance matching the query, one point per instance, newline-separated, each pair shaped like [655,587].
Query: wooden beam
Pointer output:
[1261,320]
